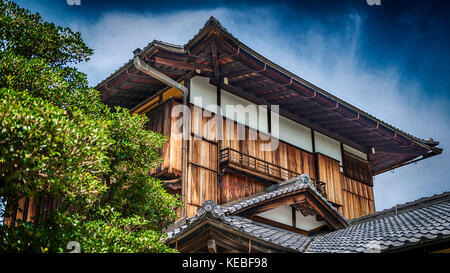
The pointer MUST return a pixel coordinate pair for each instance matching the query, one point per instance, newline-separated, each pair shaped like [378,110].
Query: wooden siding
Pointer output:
[206,181]
[328,169]
[286,155]
[31,209]
[358,198]
[235,187]
[161,121]
[202,171]
[358,169]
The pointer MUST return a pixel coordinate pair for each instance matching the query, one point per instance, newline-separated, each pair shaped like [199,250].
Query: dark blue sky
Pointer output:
[411,33]
[390,60]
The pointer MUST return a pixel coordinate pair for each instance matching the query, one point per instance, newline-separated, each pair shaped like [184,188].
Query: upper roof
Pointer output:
[217,54]
[412,224]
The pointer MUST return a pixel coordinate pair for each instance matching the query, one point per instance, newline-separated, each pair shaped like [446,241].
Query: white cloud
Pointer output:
[115,35]
[327,58]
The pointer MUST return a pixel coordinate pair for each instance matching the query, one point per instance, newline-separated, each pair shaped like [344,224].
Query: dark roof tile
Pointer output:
[422,220]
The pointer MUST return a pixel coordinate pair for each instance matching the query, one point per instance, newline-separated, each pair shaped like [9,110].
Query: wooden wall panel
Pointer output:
[259,153]
[202,179]
[204,124]
[357,168]
[176,146]
[161,121]
[31,209]
[283,156]
[235,187]
[201,186]
[201,175]
[358,198]
[286,155]
[329,173]
[191,210]
[203,153]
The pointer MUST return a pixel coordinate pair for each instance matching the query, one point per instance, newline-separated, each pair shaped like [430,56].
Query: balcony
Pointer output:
[230,158]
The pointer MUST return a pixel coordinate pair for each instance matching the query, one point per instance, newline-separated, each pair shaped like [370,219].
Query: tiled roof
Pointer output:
[301,182]
[264,232]
[255,229]
[423,220]
[268,233]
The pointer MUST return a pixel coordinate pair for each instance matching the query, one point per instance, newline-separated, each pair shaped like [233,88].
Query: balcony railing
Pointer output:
[229,156]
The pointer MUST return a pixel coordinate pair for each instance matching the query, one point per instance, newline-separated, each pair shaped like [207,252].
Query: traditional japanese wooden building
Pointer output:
[231,184]
[338,145]
[286,158]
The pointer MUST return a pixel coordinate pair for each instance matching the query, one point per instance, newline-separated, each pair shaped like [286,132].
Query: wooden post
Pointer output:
[212,246]
[219,143]
[294,220]
[316,162]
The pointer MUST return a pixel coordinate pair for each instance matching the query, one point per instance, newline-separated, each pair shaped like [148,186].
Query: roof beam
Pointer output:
[280,93]
[332,125]
[200,47]
[362,132]
[265,90]
[249,81]
[238,73]
[180,64]
[374,142]
[129,93]
[129,85]
[142,78]
[396,152]
[214,60]
[322,116]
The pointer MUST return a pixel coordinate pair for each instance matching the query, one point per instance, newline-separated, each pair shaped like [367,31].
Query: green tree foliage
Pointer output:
[57,139]
[34,133]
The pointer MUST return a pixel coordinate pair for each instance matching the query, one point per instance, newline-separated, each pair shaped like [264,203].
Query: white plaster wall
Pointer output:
[328,146]
[281,214]
[355,152]
[307,222]
[201,88]
[291,132]
[243,111]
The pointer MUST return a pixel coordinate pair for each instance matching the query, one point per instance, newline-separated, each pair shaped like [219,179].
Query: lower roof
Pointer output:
[410,225]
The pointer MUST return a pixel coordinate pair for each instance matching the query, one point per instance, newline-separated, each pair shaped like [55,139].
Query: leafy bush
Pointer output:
[57,139]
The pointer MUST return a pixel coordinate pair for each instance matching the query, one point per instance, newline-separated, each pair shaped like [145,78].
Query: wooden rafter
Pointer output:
[248,81]
[215,64]
[129,85]
[277,95]
[180,64]
[129,94]
[237,74]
